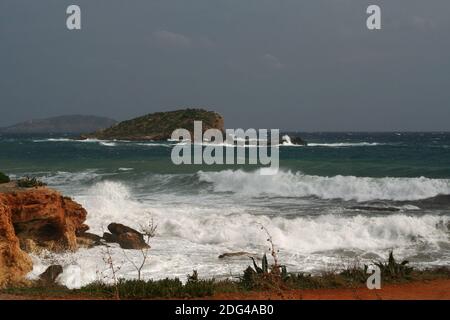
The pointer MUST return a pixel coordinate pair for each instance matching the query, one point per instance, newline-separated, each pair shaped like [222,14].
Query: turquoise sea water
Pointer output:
[345,196]
[358,154]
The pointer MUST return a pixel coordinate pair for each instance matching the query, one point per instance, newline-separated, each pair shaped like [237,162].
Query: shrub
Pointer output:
[394,270]
[351,277]
[166,288]
[265,277]
[4,178]
[27,182]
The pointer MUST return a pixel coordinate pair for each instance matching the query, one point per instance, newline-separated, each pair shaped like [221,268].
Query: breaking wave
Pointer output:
[289,184]
[191,231]
[345,144]
[113,201]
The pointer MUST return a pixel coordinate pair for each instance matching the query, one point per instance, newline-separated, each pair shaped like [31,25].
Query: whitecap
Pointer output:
[289,184]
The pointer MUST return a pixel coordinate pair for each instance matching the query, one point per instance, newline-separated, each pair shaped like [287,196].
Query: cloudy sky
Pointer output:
[308,65]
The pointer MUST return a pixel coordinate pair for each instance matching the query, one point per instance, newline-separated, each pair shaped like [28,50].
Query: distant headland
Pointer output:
[76,124]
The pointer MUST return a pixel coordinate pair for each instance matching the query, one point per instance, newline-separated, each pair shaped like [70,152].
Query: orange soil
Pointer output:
[426,290]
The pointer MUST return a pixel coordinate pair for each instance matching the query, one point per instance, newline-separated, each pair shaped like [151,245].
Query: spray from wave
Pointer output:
[192,235]
[113,202]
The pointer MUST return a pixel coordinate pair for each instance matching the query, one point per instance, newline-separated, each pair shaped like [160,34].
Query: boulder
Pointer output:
[49,276]
[236,254]
[298,141]
[109,237]
[126,237]
[88,240]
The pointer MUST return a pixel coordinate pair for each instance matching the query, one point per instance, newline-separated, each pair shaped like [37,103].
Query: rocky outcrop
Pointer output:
[298,141]
[14,263]
[88,240]
[46,217]
[293,140]
[49,276]
[126,237]
[160,125]
[235,254]
[32,219]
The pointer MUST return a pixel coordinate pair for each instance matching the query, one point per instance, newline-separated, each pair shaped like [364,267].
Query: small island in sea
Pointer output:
[159,125]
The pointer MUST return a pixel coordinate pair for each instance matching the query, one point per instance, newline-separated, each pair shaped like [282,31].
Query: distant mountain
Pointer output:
[61,124]
[159,125]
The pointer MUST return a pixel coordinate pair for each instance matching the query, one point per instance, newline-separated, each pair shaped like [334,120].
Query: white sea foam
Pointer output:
[155,144]
[288,184]
[54,140]
[65,140]
[108,144]
[101,142]
[64,177]
[109,202]
[192,236]
[345,144]
[409,207]
[287,141]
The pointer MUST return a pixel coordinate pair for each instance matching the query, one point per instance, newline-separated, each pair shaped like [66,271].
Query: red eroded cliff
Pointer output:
[34,218]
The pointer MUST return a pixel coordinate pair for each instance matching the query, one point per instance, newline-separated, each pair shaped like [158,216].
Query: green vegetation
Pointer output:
[160,125]
[166,288]
[277,277]
[27,182]
[394,270]
[4,178]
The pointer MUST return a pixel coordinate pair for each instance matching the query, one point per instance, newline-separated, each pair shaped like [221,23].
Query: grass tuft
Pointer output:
[27,182]
[4,178]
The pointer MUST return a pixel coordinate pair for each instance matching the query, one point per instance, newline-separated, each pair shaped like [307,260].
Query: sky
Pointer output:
[303,65]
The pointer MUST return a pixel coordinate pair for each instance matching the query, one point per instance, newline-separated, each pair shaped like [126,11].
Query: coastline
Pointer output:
[28,205]
[330,218]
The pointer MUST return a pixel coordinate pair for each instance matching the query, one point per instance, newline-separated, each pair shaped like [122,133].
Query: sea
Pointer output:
[346,198]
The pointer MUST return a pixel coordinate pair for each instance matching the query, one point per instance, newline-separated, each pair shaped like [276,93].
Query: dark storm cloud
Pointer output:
[290,64]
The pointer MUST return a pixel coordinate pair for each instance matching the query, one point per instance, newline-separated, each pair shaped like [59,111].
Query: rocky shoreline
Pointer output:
[40,218]
[32,219]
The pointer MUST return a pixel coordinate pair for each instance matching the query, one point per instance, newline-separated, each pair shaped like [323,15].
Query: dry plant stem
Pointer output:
[148,232]
[109,261]
[273,251]
[138,267]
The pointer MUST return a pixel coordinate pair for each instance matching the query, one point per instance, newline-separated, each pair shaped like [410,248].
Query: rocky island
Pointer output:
[159,125]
